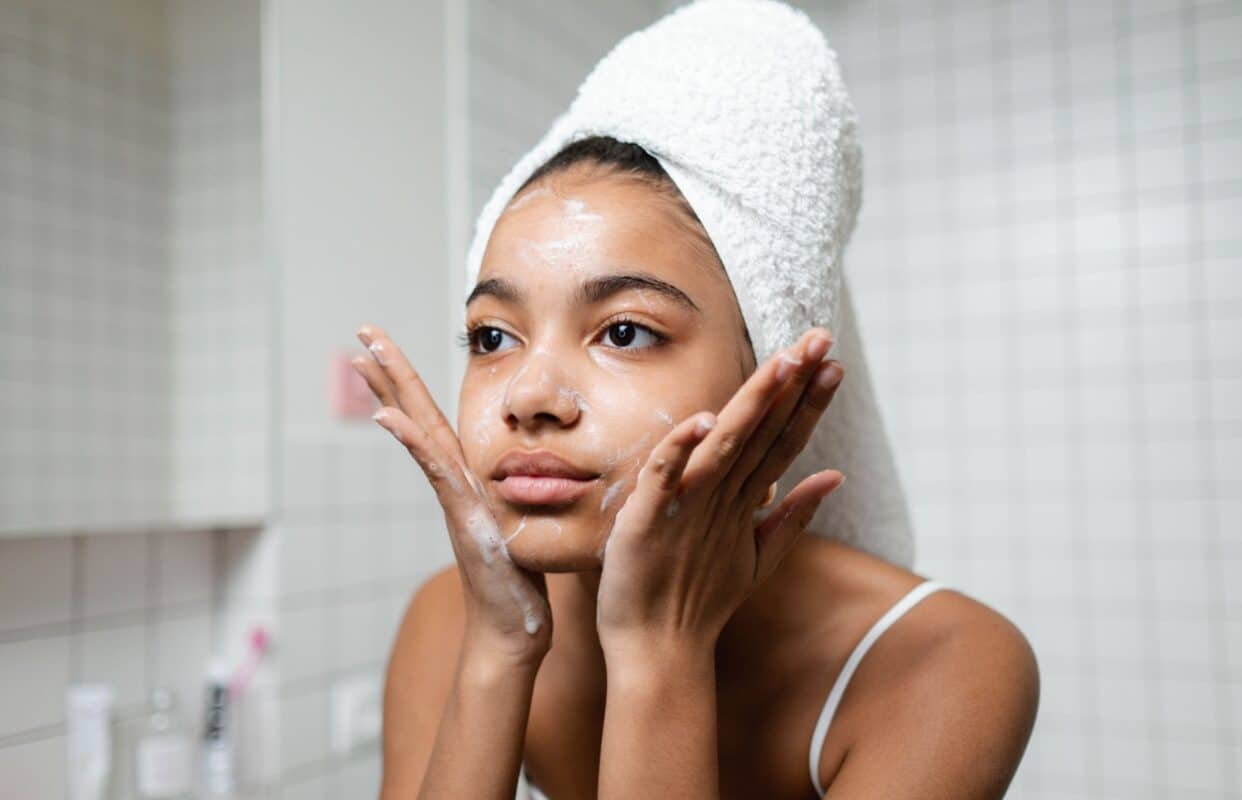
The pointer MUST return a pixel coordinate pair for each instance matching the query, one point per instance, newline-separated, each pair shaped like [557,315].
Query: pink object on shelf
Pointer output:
[348,393]
[259,640]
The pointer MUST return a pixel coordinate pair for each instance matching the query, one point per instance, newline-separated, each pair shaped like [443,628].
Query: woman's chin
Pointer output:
[551,544]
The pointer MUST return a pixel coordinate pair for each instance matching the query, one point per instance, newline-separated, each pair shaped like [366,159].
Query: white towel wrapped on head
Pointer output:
[742,103]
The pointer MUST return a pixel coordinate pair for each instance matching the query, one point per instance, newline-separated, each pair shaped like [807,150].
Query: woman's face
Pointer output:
[599,321]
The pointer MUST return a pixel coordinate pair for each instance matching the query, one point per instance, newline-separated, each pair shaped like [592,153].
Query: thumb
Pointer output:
[778,531]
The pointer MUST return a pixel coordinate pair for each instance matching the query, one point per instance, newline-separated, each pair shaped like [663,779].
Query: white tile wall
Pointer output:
[128,243]
[84,331]
[358,231]
[221,287]
[103,607]
[134,297]
[1048,274]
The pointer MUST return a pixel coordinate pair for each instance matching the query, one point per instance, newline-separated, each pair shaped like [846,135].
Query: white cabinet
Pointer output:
[135,299]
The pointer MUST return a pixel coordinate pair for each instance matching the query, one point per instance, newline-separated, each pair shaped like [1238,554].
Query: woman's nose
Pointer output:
[538,390]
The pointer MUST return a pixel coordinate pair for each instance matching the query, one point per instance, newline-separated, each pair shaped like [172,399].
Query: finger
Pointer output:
[442,470]
[814,400]
[778,417]
[412,395]
[660,478]
[376,380]
[776,534]
[742,415]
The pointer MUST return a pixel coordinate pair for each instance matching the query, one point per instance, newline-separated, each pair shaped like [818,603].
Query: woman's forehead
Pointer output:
[587,230]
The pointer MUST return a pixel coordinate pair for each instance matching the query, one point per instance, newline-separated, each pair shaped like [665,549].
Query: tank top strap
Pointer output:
[838,688]
[525,789]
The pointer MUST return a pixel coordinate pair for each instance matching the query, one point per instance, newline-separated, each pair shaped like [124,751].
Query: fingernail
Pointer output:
[704,425]
[785,367]
[364,334]
[377,348]
[829,375]
[819,345]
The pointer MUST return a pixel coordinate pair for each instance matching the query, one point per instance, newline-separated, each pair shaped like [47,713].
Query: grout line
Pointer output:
[1206,441]
[1133,316]
[1075,466]
[76,602]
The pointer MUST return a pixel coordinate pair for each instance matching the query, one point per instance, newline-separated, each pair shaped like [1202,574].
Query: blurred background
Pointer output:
[201,202]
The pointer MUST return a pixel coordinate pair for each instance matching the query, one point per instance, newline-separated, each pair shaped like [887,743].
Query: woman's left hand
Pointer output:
[685,551]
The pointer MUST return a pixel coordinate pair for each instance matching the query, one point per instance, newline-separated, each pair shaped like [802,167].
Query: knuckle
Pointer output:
[728,444]
[441,476]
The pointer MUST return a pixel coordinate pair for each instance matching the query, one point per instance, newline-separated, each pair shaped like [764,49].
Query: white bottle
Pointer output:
[218,734]
[163,755]
[88,738]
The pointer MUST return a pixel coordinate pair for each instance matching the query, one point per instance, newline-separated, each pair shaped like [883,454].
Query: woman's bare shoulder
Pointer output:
[950,663]
[435,610]
[429,637]
[866,586]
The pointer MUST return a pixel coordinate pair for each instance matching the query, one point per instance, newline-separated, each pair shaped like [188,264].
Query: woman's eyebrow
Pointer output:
[593,290]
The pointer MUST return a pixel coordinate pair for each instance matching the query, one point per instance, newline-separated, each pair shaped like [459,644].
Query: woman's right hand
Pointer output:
[507,610]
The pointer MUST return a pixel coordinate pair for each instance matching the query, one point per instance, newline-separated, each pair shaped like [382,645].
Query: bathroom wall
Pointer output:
[1048,270]
[354,128]
[133,397]
[134,311]
[221,292]
[85,332]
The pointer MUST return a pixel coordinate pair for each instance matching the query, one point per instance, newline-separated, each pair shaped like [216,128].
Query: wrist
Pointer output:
[649,659]
[485,658]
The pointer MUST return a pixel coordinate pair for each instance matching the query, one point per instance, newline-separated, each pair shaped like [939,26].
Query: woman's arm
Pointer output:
[660,724]
[478,749]
[454,713]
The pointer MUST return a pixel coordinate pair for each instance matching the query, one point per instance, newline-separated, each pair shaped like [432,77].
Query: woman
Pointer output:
[632,627]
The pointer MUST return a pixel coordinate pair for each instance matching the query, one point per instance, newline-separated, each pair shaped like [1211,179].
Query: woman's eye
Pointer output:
[622,335]
[625,333]
[487,339]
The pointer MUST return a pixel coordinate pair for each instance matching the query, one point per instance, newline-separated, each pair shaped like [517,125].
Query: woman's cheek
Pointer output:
[485,420]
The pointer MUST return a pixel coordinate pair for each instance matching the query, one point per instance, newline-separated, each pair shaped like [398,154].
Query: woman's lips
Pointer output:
[542,490]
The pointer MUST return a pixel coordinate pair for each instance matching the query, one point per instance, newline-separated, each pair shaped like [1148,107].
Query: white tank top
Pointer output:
[528,791]
[834,697]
